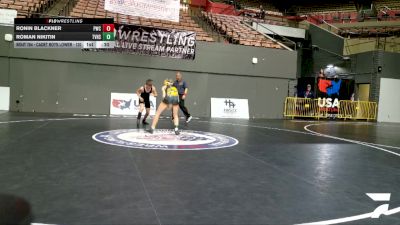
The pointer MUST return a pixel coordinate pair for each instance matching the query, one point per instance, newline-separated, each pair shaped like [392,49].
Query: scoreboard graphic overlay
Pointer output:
[64,33]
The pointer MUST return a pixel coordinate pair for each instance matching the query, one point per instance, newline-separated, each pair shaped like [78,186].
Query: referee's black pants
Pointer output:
[183,107]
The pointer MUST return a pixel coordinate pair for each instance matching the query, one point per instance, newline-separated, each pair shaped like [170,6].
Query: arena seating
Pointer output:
[326,7]
[26,8]
[95,9]
[267,12]
[347,13]
[254,5]
[335,17]
[354,24]
[391,4]
[329,12]
[352,17]
[370,31]
[237,32]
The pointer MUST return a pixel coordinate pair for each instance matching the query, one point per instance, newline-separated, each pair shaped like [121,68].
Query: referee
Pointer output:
[182,87]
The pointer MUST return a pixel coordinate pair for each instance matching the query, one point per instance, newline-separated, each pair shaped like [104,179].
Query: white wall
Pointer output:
[389,107]
[4,98]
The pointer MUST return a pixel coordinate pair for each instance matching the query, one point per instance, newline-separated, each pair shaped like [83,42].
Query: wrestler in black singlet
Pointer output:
[146,101]
[146,97]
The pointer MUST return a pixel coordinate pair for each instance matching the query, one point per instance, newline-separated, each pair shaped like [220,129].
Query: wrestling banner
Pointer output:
[155,9]
[152,41]
[331,91]
[128,104]
[229,108]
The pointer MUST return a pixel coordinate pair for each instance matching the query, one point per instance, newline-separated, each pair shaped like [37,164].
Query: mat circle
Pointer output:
[165,139]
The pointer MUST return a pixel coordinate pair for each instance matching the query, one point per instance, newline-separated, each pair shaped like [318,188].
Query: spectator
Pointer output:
[353,97]
[321,73]
[262,12]
[308,93]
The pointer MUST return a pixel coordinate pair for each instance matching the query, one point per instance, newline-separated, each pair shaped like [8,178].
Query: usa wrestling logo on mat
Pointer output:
[165,139]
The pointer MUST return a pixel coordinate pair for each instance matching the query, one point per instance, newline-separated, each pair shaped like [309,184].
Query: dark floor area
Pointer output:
[278,173]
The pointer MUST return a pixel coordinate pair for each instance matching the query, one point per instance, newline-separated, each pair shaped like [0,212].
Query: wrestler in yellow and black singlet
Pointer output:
[171,97]
[171,94]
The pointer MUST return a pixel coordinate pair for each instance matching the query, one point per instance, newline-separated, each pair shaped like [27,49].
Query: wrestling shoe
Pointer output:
[188,119]
[177,132]
[151,131]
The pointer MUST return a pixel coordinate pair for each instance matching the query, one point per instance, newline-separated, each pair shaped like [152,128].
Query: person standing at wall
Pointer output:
[182,87]
[144,100]
[308,93]
[321,73]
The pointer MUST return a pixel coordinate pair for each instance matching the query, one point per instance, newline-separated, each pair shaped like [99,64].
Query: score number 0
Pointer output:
[108,27]
[108,32]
